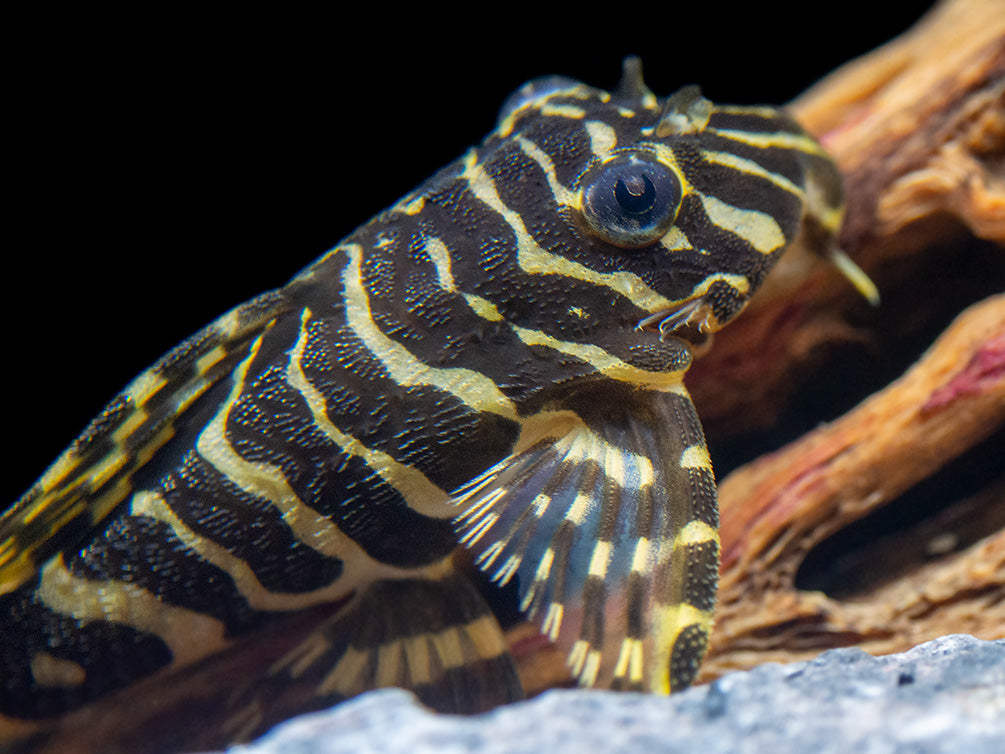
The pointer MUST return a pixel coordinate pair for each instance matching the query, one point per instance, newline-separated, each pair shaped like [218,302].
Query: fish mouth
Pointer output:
[693,321]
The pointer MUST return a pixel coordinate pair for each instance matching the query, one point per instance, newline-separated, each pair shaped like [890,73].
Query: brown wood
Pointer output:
[918,130]
[776,509]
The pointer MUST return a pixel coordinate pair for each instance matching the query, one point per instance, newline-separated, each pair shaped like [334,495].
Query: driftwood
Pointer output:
[866,531]
[775,510]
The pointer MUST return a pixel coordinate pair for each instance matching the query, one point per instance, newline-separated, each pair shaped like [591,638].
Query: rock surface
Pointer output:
[947,695]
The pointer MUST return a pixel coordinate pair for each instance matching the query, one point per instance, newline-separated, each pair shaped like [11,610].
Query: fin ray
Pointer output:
[91,478]
[433,635]
[610,530]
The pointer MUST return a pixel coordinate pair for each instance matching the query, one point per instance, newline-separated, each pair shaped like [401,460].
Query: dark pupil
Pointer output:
[636,194]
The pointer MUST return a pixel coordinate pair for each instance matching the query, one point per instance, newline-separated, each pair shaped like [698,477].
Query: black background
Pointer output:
[167,167]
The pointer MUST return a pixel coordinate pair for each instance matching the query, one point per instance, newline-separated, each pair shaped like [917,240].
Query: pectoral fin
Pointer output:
[611,531]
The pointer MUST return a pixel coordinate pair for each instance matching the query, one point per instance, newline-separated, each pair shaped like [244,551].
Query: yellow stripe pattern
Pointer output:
[564,492]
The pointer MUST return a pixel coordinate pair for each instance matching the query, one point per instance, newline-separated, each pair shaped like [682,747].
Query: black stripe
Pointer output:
[248,527]
[271,424]
[338,355]
[698,500]
[686,655]
[702,574]
[594,599]
[141,551]
[408,610]
[785,161]
[112,655]
[651,355]
[610,510]
[95,440]
[561,544]
[743,190]
[178,364]
[565,141]
[704,503]
[635,594]
[38,530]
[754,121]
[476,687]
[726,251]
[420,426]
[375,515]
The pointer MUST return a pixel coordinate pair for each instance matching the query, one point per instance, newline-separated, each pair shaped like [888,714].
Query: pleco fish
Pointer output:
[493,366]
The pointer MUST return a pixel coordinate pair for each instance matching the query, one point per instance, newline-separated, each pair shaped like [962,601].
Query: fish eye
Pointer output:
[631,200]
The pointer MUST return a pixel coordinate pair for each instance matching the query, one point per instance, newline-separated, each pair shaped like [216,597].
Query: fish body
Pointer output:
[491,369]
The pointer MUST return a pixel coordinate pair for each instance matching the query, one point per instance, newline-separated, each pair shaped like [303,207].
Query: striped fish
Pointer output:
[284,511]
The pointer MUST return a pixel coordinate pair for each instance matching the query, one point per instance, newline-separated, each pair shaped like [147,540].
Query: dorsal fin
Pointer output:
[86,484]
